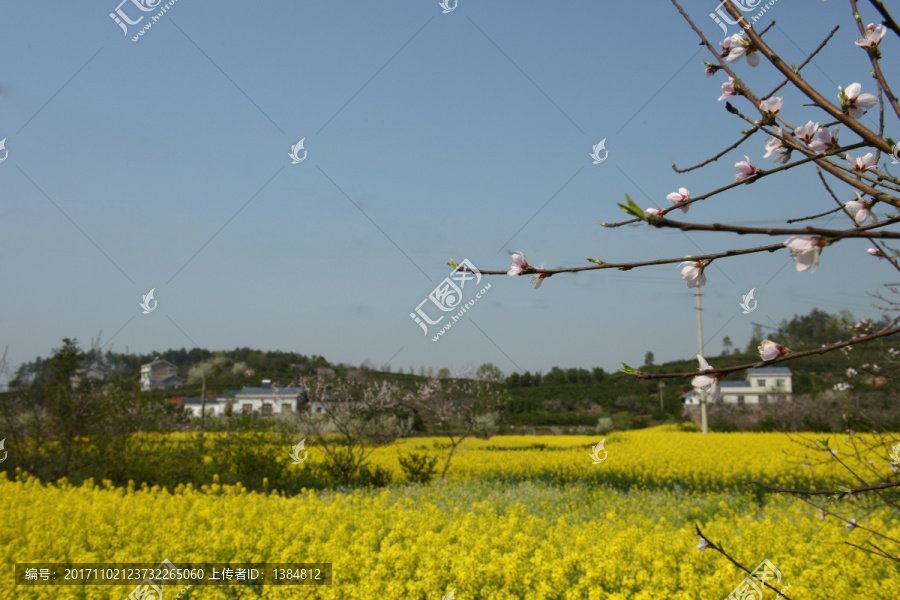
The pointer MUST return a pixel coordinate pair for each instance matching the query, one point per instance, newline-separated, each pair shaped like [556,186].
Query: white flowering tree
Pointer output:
[358,417]
[459,408]
[845,152]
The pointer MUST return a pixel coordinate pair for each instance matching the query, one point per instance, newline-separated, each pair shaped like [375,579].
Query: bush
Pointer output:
[722,424]
[418,468]
[373,477]
[604,425]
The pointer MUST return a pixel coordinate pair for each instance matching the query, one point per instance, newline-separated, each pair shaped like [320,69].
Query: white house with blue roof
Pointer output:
[266,400]
[764,385]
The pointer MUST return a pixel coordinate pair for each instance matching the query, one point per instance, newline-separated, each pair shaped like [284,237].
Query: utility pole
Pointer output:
[661,386]
[703,423]
[203,408]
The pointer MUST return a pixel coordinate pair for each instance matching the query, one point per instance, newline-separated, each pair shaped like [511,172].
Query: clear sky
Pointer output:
[164,163]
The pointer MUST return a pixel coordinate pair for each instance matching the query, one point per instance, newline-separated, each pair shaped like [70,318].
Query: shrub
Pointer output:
[418,468]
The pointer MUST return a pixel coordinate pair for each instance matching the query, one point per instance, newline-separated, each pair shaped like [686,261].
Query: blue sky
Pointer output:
[163,163]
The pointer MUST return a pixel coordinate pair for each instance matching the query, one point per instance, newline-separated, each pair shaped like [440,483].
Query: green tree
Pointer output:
[648,359]
[489,372]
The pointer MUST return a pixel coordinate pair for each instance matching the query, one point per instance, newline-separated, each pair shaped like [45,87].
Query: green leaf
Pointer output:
[453,264]
[596,261]
[891,141]
[628,370]
[632,208]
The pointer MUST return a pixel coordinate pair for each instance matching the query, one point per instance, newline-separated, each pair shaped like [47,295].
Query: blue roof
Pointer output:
[199,401]
[268,391]
[727,384]
[769,371]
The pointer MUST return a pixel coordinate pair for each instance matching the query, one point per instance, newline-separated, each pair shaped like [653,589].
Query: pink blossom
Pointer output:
[807,133]
[745,169]
[702,544]
[652,211]
[693,273]
[806,250]
[518,265]
[854,102]
[863,163]
[776,144]
[710,69]
[876,252]
[679,198]
[771,107]
[726,46]
[821,515]
[827,141]
[730,89]
[851,372]
[741,46]
[538,279]
[851,525]
[893,353]
[872,37]
[842,387]
[769,350]
[863,210]
[711,382]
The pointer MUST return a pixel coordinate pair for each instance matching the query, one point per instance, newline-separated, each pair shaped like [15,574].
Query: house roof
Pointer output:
[734,384]
[769,371]
[268,391]
[198,401]
[159,362]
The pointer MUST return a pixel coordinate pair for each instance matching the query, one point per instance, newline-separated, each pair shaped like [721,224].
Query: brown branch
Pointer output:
[889,21]
[849,177]
[631,265]
[890,259]
[805,62]
[785,358]
[876,66]
[817,158]
[721,551]
[824,214]
[719,155]
[835,111]
[868,488]
[836,234]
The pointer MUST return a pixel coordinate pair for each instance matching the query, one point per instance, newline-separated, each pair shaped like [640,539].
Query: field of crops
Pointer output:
[516,517]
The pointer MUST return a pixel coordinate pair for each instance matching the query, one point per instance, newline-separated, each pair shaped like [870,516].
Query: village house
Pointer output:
[266,400]
[90,374]
[159,374]
[764,385]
